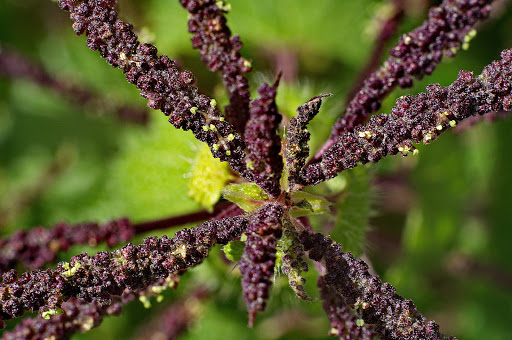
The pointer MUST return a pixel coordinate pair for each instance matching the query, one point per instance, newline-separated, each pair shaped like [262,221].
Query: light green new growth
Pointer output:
[208,177]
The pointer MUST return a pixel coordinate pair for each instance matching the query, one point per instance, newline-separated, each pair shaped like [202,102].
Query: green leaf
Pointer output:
[353,209]
[234,250]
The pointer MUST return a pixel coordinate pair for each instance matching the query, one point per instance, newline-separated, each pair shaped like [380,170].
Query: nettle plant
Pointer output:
[264,219]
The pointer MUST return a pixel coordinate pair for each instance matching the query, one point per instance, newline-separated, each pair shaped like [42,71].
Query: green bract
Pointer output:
[248,196]
[305,204]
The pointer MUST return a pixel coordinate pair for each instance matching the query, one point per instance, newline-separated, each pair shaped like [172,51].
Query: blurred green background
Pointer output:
[439,227]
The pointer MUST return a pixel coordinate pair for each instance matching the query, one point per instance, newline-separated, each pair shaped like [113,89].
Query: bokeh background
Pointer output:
[437,225]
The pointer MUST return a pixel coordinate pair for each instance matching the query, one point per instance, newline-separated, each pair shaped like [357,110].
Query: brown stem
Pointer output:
[286,62]
[13,65]
[388,29]
[465,266]
[175,221]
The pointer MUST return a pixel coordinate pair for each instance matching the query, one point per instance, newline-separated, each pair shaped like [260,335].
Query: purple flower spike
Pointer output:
[107,274]
[263,160]
[344,322]
[39,246]
[220,52]
[420,118]
[157,77]
[447,30]
[297,147]
[393,316]
[77,315]
[259,257]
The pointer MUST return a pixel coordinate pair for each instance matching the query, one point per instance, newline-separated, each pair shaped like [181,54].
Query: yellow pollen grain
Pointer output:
[452,123]
[182,250]
[213,102]
[87,324]
[439,127]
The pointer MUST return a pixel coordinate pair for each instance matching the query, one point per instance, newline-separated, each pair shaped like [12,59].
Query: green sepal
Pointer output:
[305,204]
[234,250]
[248,196]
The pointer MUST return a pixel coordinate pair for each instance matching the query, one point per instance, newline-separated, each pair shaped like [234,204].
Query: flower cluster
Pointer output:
[220,52]
[297,149]
[259,258]
[420,118]
[264,164]
[159,80]
[345,324]
[100,277]
[377,302]
[448,29]
[76,315]
[39,246]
